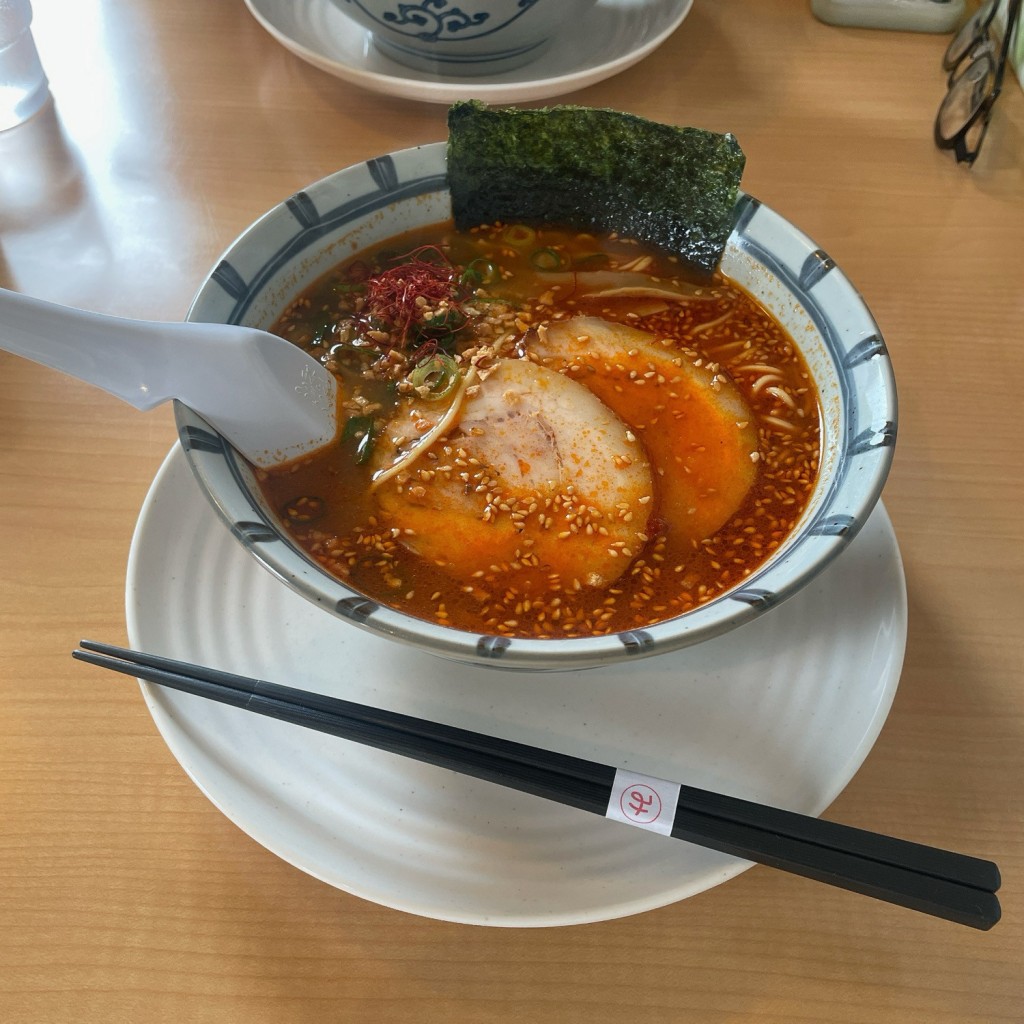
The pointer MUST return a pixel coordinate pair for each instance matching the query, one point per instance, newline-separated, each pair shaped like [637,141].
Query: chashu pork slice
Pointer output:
[697,429]
[539,485]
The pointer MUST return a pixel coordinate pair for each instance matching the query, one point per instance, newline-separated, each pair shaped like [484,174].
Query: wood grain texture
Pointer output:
[124,895]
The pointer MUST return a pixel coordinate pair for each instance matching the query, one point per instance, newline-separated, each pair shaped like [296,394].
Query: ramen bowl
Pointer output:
[300,240]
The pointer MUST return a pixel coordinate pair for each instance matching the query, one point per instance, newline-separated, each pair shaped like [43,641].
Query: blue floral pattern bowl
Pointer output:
[302,238]
[464,37]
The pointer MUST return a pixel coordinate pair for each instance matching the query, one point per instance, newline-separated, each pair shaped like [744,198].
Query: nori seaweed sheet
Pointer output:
[597,170]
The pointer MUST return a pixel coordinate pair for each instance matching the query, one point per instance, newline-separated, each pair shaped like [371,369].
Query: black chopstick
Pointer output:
[947,885]
[954,867]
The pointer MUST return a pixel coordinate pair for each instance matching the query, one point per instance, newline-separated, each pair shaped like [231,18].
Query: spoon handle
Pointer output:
[135,360]
[271,399]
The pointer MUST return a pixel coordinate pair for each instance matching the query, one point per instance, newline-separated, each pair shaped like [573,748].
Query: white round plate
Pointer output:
[782,710]
[617,35]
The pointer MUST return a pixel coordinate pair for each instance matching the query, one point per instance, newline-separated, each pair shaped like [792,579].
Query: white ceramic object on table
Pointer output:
[617,35]
[23,84]
[782,711]
[465,37]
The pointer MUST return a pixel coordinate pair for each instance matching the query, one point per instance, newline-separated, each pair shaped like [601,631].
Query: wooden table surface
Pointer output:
[126,896]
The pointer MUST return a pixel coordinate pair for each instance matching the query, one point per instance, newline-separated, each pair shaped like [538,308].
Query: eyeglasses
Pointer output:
[975,80]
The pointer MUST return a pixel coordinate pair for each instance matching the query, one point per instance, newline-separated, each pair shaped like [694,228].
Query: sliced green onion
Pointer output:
[435,377]
[547,260]
[479,272]
[446,321]
[359,429]
[322,326]
[519,235]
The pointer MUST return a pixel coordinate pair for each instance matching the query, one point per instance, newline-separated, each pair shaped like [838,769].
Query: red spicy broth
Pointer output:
[548,434]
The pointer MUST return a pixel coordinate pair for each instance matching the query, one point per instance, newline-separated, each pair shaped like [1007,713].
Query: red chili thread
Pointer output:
[391,295]
[427,349]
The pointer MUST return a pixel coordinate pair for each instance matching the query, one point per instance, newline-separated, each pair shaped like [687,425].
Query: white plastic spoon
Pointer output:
[270,399]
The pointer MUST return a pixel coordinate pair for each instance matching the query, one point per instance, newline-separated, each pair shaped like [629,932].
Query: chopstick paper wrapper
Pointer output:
[643,801]
[948,885]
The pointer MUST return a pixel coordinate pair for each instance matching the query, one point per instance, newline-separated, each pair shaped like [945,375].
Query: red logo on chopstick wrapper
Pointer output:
[641,804]
[643,801]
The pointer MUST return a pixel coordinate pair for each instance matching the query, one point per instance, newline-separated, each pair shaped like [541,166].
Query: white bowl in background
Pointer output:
[467,37]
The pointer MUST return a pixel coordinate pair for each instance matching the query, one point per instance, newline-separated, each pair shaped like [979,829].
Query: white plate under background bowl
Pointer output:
[616,35]
[783,710]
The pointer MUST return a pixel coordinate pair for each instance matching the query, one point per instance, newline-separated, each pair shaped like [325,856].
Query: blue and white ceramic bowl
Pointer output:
[302,238]
[464,37]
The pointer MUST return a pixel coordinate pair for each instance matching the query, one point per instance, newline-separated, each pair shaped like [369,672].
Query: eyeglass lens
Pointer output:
[972,30]
[966,97]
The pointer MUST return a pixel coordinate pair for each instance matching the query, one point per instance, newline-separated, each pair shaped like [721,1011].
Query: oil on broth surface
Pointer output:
[548,434]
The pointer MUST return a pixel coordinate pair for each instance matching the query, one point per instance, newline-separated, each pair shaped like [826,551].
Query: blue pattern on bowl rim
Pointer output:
[303,237]
[448,61]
